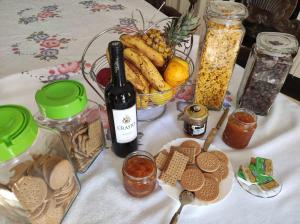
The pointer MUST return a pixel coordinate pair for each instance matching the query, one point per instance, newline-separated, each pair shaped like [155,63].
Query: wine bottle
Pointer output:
[121,104]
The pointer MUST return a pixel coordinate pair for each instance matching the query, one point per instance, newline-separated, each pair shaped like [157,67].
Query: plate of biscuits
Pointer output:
[182,166]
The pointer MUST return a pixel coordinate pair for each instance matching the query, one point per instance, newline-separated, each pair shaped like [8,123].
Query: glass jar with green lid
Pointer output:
[63,105]
[37,179]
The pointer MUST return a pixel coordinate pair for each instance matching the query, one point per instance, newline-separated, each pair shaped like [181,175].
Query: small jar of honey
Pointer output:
[240,128]
[195,120]
[139,173]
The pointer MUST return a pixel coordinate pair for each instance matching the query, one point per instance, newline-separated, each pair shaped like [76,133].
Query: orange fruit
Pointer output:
[177,72]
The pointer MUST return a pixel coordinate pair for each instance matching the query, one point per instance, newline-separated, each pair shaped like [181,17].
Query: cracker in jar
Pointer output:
[30,191]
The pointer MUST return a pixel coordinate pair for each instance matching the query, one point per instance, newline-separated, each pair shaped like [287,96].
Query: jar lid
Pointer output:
[61,99]
[276,42]
[18,130]
[226,10]
[196,112]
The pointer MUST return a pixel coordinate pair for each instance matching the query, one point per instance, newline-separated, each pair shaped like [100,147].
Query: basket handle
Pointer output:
[86,75]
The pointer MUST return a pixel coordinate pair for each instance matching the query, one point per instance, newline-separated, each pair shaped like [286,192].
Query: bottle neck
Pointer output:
[117,65]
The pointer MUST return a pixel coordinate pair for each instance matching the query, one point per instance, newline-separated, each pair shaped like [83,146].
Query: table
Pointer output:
[103,199]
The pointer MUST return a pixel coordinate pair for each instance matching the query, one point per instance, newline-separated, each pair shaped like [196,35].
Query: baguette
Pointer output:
[144,64]
[134,41]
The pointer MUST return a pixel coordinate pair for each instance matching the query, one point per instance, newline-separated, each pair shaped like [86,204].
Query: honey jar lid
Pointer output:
[196,112]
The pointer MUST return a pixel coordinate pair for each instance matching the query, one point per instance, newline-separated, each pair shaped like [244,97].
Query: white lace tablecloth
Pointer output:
[102,198]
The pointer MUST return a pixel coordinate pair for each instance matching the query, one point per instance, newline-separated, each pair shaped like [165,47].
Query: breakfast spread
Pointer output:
[45,184]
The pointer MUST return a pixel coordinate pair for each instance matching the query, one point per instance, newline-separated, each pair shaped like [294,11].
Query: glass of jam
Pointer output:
[139,173]
[240,128]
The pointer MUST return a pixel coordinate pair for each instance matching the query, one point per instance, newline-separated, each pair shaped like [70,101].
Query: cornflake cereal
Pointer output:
[217,60]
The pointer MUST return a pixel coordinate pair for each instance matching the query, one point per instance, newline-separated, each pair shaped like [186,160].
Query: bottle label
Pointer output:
[125,124]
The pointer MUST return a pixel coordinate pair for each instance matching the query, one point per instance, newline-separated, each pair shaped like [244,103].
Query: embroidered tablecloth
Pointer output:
[38,34]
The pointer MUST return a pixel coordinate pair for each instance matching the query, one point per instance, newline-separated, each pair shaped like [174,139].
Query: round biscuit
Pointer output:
[54,212]
[38,211]
[222,171]
[19,170]
[60,174]
[221,156]
[213,175]
[192,144]
[192,179]
[67,198]
[207,162]
[48,165]
[209,191]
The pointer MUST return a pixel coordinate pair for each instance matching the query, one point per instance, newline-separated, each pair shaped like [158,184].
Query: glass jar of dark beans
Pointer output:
[267,67]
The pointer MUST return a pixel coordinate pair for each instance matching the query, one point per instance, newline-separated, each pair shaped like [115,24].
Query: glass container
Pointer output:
[64,106]
[240,127]
[139,173]
[195,120]
[267,67]
[37,181]
[224,35]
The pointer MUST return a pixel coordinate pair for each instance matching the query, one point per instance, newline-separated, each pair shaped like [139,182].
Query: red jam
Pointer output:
[103,77]
[239,129]
[139,175]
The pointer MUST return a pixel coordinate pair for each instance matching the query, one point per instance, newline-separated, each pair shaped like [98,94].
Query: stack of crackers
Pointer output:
[45,188]
[196,171]
[84,144]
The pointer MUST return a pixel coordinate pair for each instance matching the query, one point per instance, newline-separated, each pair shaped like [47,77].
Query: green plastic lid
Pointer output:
[18,130]
[61,99]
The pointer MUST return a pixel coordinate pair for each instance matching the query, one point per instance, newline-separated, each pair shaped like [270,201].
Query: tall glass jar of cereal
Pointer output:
[37,181]
[219,50]
[267,67]
[64,106]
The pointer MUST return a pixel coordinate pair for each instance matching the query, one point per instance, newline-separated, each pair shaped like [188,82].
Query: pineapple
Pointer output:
[155,39]
[175,33]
